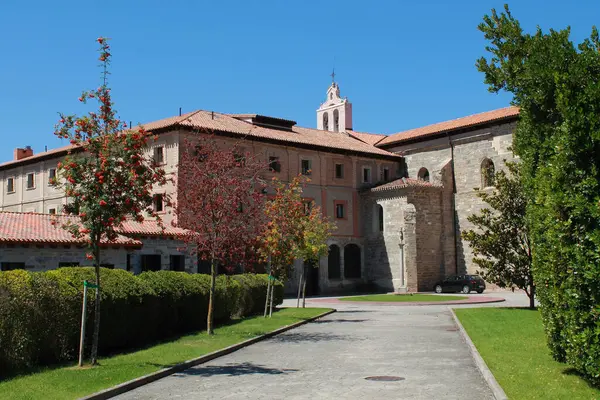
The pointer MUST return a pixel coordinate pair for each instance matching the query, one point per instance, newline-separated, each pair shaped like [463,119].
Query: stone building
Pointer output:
[399,201]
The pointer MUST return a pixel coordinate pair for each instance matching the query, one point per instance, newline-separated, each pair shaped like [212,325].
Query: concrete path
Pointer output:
[330,359]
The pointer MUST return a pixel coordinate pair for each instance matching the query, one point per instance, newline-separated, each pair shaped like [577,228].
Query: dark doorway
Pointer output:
[312,278]
[203,265]
[151,262]
[333,262]
[352,267]
[177,263]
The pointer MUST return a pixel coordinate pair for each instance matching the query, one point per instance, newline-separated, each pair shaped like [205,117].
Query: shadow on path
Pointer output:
[298,337]
[329,321]
[233,370]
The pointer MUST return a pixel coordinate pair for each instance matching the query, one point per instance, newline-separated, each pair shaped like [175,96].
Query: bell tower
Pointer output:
[335,114]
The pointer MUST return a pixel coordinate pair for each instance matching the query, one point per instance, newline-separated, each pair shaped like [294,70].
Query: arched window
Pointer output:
[487,173]
[336,120]
[380,216]
[423,174]
[325,121]
[352,267]
[333,262]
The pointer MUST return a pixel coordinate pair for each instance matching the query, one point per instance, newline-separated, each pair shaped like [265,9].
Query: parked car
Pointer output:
[460,283]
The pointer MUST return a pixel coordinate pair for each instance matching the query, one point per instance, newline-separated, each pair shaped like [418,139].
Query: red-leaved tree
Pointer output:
[107,176]
[219,198]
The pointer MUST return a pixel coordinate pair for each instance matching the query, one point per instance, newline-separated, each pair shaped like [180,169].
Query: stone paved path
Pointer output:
[330,359]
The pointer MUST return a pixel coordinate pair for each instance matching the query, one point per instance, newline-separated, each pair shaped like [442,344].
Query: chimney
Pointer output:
[23,153]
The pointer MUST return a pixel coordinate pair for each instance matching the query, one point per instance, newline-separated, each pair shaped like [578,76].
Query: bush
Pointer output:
[40,312]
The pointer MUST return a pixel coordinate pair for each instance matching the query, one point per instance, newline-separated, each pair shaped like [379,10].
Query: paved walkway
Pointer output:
[330,359]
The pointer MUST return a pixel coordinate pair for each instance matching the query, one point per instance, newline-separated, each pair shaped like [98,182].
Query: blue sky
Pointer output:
[402,64]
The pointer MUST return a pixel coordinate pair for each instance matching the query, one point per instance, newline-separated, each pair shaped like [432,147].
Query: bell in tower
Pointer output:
[335,114]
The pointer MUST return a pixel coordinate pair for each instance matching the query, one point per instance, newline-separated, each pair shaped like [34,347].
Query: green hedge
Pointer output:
[40,312]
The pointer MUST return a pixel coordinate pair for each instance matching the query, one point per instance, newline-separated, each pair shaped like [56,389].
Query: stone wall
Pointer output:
[408,254]
[469,150]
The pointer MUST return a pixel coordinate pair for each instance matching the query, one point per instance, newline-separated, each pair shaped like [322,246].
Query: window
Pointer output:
[30,181]
[308,205]
[274,164]
[487,173]
[336,120]
[157,203]
[159,155]
[423,174]
[9,266]
[386,174]
[366,175]
[177,263]
[339,171]
[239,158]
[10,185]
[325,121]
[52,211]
[51,175]
[68,264]
[151,262]
[306,167]
[340,211]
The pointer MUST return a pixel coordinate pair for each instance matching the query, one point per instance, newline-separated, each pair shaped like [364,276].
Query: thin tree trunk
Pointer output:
[531,295]
[300,287]
[267,298]
[304,289]
[211,298]
[96,337]
[272,292]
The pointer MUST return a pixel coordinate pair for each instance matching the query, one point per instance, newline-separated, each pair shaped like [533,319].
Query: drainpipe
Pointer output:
[453,202]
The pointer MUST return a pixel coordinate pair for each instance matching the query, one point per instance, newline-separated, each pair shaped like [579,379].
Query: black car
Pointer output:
[460,283]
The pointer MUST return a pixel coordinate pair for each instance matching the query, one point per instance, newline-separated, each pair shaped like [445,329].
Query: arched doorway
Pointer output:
[352,263]
[311,271]
[333,262]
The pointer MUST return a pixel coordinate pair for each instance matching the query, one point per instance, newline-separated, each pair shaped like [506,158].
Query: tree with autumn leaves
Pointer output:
[220,200]
[106,176]
[294,230]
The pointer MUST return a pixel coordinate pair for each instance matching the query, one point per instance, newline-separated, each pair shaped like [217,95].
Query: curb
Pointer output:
[497,390]
[146,379]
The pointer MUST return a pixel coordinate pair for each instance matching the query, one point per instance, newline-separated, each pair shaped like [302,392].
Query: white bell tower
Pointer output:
[335,114]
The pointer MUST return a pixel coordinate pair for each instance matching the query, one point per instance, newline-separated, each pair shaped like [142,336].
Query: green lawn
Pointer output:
[513,345]
[71,382]
[403,297]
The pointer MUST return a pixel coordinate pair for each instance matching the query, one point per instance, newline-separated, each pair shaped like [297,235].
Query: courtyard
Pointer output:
[330,359]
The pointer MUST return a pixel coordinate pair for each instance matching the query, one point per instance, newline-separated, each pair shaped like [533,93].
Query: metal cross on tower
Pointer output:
[333,76]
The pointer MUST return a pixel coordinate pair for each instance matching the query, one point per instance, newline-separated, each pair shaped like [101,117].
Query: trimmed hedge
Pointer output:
[40,312]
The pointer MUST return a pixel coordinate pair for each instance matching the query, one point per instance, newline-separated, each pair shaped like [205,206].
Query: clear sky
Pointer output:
[402,64]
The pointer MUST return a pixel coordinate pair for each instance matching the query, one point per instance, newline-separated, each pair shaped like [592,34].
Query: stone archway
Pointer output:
[352,261]
[334,269]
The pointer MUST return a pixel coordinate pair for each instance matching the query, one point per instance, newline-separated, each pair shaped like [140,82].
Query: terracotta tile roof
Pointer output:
[214,121]
[58,151]
[447,126]
[404,182]
[370,138]
[38,228]
[151,228]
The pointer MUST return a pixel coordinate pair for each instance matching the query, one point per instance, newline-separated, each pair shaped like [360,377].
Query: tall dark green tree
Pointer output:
[556,84]
[501,241]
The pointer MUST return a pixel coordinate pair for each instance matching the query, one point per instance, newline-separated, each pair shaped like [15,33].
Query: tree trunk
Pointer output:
[531,295]
[304,288]
[96,337]
[211,298]
[272,293]
[300,288]
[267,298]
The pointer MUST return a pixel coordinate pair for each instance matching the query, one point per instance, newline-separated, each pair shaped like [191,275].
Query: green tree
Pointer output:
[556,84]
[107,176]
[501,243]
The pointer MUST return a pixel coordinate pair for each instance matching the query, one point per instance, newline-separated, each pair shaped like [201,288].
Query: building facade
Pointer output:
[399,201]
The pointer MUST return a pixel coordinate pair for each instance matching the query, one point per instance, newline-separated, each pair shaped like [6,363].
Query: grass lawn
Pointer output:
[404,297]
[513,345]
[70,382]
